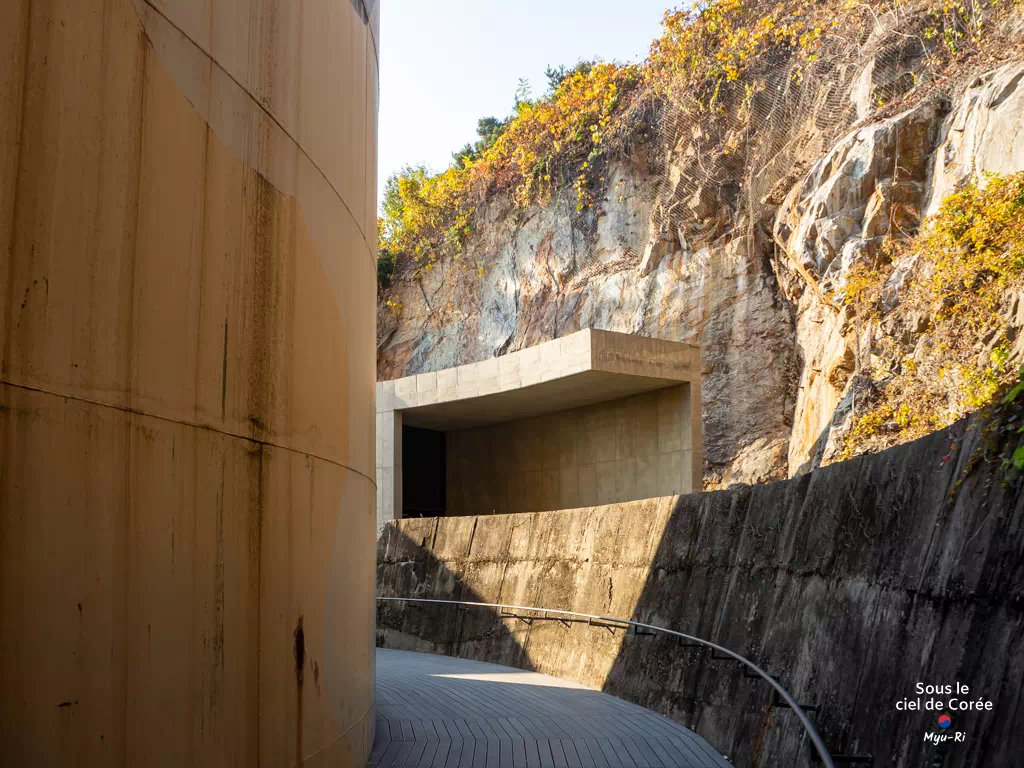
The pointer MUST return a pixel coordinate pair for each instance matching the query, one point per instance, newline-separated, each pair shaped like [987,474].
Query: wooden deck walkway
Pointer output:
[442,712]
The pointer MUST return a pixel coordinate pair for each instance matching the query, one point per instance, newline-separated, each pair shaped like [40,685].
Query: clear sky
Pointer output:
[446,63]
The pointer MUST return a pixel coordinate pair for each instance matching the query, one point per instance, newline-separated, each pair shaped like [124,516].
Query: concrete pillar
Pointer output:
[187,287]
[692,439]
[389,467]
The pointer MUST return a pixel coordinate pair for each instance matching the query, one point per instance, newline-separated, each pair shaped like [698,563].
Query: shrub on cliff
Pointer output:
[553,141]
[967,278]
[716,64]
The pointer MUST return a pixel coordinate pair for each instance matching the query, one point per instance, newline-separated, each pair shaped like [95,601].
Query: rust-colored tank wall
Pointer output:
[187,224]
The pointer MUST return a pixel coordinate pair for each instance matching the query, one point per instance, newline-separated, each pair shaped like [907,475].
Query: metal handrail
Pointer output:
[812,732]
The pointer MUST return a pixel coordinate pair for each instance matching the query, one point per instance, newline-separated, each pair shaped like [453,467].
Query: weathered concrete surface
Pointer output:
[539,414]
[850,584]
[637,447]
[186,391]
[781,360]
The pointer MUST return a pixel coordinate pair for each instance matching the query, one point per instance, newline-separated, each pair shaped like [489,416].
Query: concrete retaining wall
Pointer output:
[851,585]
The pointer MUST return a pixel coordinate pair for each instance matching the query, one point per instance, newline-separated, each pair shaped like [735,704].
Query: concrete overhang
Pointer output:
[586,367]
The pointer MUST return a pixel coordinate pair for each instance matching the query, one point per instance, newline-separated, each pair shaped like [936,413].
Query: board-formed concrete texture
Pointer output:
[593,417]
[850,584]
[187,211]
[439,712]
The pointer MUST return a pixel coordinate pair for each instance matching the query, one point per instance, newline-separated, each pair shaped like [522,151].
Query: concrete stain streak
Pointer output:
[218,595]
[224,374]
[300,663]
[10,216]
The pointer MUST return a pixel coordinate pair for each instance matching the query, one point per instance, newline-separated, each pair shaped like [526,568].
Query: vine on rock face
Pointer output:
[968,277]
[709,63]
[562,139]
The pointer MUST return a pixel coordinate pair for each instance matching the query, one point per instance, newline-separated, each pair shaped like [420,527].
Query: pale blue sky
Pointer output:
[446,63]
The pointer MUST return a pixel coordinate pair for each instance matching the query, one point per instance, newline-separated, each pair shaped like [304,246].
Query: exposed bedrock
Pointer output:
[851,584]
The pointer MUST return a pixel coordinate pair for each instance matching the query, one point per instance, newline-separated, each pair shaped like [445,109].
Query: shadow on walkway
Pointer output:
[437,711]
[851,585]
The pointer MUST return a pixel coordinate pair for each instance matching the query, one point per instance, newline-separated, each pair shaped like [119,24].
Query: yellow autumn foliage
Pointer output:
[970,258]
[708,55]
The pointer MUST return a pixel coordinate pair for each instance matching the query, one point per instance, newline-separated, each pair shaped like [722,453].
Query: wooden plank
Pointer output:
[416,753]
[530,747]
[441,712]
[640,753]
[387,759]
[571,756]
[516,745]
[427,757]
[546,759]
[587,756]
[625,758]
[558,754]
[441,756]
[610,755]
[715,759]
[403,753]
[455,753]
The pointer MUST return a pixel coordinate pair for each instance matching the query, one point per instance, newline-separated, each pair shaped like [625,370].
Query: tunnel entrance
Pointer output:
[423,472]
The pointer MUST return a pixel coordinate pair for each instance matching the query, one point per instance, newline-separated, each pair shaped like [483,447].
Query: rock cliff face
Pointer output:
[781,360]
[879,180]
[851,584]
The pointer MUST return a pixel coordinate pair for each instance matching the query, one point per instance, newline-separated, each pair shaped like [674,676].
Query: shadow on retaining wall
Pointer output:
[408,567]
[850,585]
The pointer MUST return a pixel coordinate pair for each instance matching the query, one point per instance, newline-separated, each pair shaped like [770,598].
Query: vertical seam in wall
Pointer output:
[125,587]
[366,137]
[732,566]
[17,188]
[129,417]
[524,648]
[145,46]
[863,667]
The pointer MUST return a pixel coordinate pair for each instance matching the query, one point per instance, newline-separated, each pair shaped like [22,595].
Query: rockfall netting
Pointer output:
[725,161]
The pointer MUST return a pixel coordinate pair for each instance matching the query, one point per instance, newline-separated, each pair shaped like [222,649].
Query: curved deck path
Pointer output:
[442,712]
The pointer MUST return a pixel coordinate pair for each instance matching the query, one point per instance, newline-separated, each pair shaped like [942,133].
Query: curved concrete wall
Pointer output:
[187,219]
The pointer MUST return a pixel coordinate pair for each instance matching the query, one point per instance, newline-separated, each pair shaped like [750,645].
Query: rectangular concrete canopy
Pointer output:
[549,396]
[578,370]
